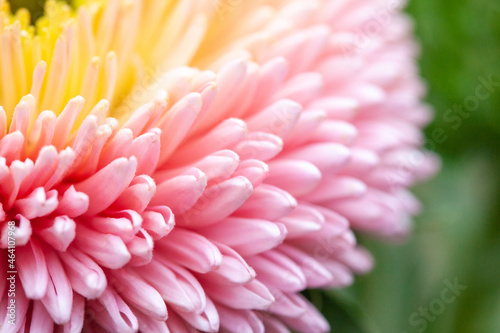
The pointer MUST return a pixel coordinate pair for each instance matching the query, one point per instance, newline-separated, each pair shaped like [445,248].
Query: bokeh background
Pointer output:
[457,237]
[458,234]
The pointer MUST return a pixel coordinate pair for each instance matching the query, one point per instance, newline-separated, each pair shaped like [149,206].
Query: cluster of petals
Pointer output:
[183,166]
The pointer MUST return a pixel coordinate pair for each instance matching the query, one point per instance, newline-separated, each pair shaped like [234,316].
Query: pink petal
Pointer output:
[287,304]
[271,77]
[327,157]
[357,259]
[239,321]
[11,184]
[139,293]
[177,122]
[311,321]
[146,148]
[118,146]
[65,161]
[207,321]
[144,115]
[158,221]
[338,108]
[112,313]
[22,232]
[338,187]
[217,202]
[20,118]
[60,234]
[141,248]
[253,295]
[278,118]
[137,196]
[65,121]
[302,221]
[177,286]
[59,297]
[229,79]
[32,268]
[75,323]
[316,274]
[108,250]
[87,162]
[124,224]
[307,124]
[278,271]
[42,133]
[259,145]
[226,134]
[148,324]
[85,275]
[302,88]
[181,193]
[253,170]
[190,250]
[335,131]
[217,167]
[40,319]
[107,184]
[247,236]
[45,166]
[233,270]
[38,203]
[72,203]
[11,146]
[294,176]
[267,202]
[273,325]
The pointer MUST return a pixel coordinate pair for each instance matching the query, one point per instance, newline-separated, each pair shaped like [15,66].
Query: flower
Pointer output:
[192,165]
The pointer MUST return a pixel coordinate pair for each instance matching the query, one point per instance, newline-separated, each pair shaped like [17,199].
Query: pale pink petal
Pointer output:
[112,313]
[58,299]
[253,295]
[253,170]
[239,321]
[32,268]
[180,193]
[217,202]
[40,316]
[86,276]
[277,271]
[139,293]
[176,285]
[247,236]
[268,202]
[190,250]
[60,234]
[297,177]
[207,321]
[158,221]
[75,324]
[107,184]
[107,250]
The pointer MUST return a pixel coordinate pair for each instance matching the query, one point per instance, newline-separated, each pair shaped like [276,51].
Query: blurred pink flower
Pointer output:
[217,164]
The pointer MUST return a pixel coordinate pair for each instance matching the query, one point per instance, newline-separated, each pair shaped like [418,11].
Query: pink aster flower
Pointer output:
[192,166]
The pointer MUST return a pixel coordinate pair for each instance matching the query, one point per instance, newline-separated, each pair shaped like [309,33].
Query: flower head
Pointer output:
[192,165]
